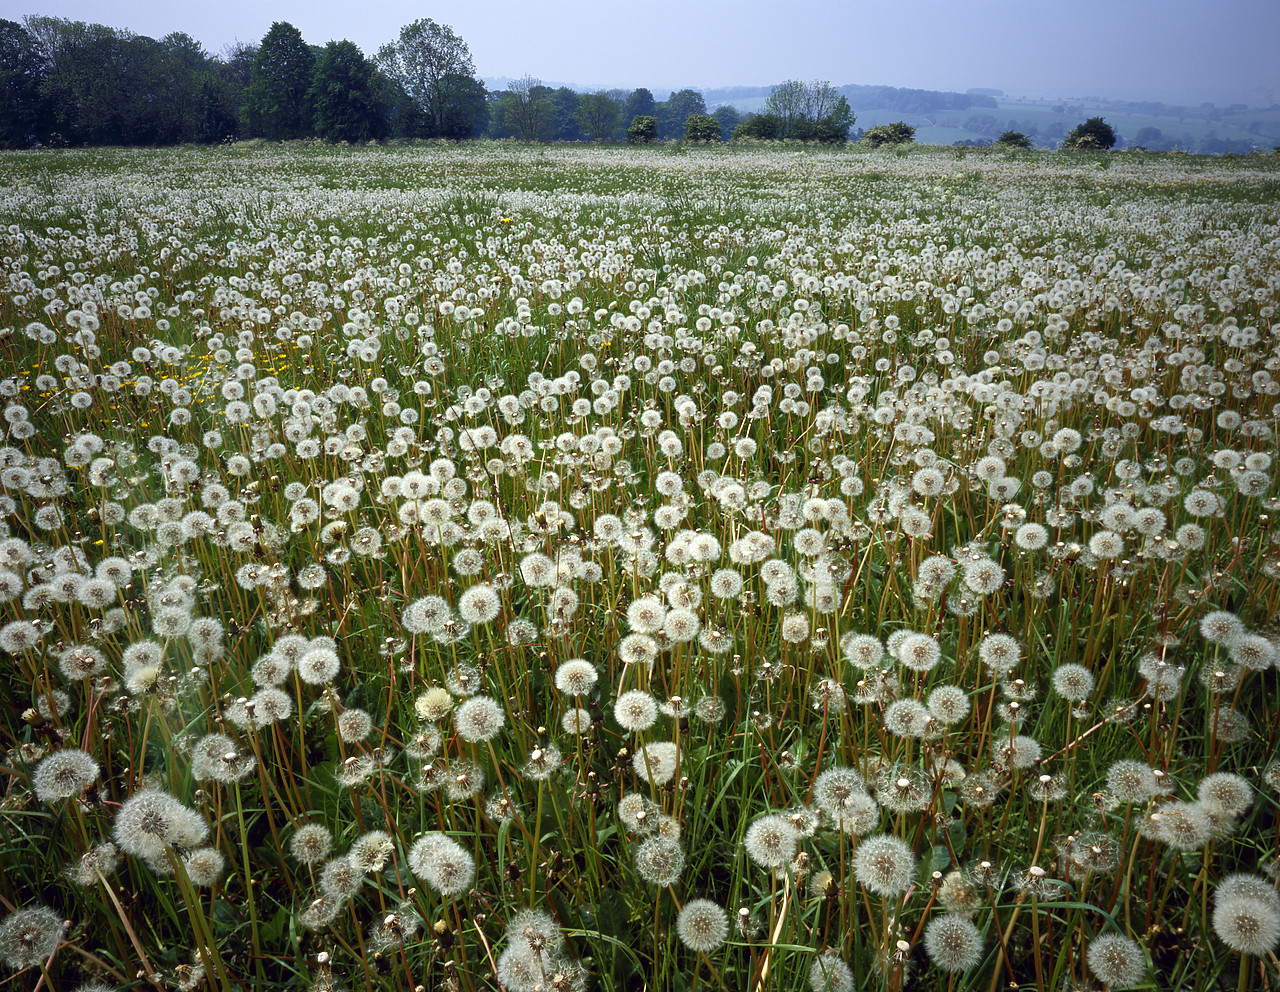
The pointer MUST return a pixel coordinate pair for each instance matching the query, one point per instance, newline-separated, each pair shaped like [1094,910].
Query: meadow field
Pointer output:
[553,568]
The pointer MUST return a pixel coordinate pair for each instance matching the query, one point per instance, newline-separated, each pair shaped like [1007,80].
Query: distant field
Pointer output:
[556,568]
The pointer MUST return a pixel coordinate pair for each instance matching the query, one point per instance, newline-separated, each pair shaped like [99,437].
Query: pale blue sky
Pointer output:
[1173,50]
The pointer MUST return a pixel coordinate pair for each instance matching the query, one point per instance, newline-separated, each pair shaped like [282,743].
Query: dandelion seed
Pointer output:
[660,860]
[150,822]
[479,604]
[1020,752]
[1073,682]
[311,843]
[657,762]
[318,665]
[1000,653]
[576,677]
[884,864]
[1229,792]
[204,866]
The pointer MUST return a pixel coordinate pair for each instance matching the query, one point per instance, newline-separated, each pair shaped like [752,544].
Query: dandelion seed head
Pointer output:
[660,860]
[444,864]
[28,937]
[479,718]
[771,841]
[953,943]
[1116,961]
[64,774]
[702,925]
[829,973]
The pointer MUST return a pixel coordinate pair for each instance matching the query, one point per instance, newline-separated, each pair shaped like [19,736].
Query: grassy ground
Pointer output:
[753,568]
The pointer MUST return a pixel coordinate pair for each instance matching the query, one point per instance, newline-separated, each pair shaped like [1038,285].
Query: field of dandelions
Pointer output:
[482,567]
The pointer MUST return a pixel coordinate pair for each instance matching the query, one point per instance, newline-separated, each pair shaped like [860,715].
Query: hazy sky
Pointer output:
[1173,50]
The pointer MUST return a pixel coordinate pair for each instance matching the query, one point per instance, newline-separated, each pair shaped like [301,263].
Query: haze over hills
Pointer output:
[981,114]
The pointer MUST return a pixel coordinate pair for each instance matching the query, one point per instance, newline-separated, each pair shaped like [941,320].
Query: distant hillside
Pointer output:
[980,115]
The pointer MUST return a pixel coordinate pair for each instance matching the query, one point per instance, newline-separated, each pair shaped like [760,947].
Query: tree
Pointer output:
[763,127]
[1095,134]
[434,68]
[701,127]
[343,95]
[597,115]
[564,114]
[23,117]
[275,102]
[729,118]
[813,111]
[1014,139]
[639,103]
[529,111]
[467,113]
[675,110]
[643,130]
[104,86]
[897,133]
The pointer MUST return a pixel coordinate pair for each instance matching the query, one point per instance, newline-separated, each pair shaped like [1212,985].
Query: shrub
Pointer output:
[1095,134]
[701,127]
[897,133]
[643,130]
[1013,139]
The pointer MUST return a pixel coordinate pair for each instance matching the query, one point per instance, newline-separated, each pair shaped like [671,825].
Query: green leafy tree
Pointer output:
[701,127]
[1014,139]
[221,93]
[729,118]
[643,130]
[106,86]
[813,111]
[597,115]
[23,111]
[564,117]
[275,102]
[344,95]
[675,110]
[1095,134]
[639,103]
[467,114]
[897,133]
[762,127]
[434,68]
[529,112]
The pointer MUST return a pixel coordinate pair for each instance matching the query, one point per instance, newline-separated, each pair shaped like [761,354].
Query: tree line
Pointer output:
[65,82]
